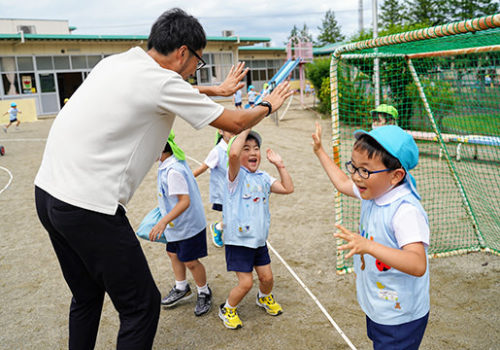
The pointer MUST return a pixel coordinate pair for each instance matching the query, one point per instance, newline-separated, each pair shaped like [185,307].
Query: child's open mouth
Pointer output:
[253,161]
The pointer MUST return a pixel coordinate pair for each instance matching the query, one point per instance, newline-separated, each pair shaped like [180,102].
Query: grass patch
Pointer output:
[473,124]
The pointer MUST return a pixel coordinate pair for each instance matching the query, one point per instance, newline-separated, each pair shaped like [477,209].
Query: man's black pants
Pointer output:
[100,253]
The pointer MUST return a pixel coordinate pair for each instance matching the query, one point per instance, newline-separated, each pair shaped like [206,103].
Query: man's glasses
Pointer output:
[364,173]
[201,62]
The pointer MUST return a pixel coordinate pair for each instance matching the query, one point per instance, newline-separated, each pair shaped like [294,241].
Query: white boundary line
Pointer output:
[302,284]
[10,180]
[23,140]
[313,297]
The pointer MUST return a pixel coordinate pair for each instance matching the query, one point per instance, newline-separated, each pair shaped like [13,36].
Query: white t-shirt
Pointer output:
[112,130]
[212,159]
[408,223]
[176,182]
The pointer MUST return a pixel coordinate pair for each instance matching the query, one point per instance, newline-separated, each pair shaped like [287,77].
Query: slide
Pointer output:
[279,77]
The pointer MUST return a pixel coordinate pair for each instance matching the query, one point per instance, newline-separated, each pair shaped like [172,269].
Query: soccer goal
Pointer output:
[444,82]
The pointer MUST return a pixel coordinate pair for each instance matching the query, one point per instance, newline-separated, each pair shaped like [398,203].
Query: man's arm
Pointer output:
[236,121]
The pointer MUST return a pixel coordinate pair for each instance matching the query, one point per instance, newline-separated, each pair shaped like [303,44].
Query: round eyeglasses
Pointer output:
[362,172]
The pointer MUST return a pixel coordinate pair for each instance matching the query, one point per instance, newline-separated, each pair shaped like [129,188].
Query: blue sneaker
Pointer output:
[216,236]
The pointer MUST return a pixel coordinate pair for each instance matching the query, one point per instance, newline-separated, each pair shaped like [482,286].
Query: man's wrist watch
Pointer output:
[268,105]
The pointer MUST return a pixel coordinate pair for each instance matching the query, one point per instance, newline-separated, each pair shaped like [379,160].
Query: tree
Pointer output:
[429,12]
[304,34]
[392,14]
[294,33]
[467,9]
[329,30]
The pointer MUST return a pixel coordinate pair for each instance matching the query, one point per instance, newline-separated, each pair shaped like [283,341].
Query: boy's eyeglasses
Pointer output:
[201,62]
[364,173]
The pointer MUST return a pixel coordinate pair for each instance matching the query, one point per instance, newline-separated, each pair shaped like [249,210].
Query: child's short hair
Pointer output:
[167,149]
[367,143]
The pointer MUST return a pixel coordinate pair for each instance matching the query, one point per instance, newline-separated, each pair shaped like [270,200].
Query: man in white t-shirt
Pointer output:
[88,175]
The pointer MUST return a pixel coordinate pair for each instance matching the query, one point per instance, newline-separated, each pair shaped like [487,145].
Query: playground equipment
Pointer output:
[445,83]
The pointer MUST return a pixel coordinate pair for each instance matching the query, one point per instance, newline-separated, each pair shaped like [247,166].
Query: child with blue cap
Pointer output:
[390,250]
[183,225]
[12,112]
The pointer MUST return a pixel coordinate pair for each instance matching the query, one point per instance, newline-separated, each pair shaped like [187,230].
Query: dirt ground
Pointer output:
[35,299]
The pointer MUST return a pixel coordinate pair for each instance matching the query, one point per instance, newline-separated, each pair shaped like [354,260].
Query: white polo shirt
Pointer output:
[113,129]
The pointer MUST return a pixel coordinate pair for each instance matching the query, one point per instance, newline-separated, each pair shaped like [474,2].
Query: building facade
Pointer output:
[44,61]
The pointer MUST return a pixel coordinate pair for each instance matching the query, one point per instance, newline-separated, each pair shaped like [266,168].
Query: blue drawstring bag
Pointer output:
[147,224]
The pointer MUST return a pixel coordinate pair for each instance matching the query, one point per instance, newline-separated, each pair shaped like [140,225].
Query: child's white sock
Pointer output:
[229,306]
[218,226]
[181,285]
[203,289]
[262,295]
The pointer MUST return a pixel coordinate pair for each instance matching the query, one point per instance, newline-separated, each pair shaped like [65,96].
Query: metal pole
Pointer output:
[376,61]
[463,194]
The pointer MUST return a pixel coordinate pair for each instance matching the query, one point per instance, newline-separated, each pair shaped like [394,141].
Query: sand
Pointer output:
[35,298]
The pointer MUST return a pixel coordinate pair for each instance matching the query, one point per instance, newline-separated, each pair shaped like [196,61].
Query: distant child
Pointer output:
[246,223]
[13,112]
[390,250]
[184,226]
[252,95]
[237,99]
[384,115]
[217,162]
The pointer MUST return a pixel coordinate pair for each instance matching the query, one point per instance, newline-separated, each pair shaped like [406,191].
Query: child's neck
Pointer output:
[165,156]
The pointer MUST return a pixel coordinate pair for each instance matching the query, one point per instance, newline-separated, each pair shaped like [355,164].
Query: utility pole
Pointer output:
[360,15]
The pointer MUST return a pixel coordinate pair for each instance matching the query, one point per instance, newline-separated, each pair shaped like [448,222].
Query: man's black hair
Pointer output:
[373,148]
[167,149]
[175,28]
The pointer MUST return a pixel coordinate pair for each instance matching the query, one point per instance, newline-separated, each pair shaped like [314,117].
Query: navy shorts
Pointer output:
[190,249]
[13,120]
[237,104]
[217,207]
[251,103]
[243,259]
[405,336]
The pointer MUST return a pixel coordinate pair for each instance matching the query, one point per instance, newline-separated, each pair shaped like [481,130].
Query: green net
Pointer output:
[447,93]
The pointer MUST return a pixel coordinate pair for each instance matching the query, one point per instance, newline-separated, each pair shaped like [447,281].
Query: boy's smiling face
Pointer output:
[377,184]
[250,155]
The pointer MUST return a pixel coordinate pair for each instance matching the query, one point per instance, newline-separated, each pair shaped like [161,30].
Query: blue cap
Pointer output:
[400,145]
[13,104]
[251,87]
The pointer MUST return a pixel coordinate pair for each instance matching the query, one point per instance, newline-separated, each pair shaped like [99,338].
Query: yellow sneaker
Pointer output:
[271,306]
[230,317]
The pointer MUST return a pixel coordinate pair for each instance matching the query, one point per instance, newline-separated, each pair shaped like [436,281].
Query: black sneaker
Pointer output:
[176,295]
[203,303]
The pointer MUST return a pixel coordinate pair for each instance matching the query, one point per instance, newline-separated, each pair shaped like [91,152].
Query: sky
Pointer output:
[265,18]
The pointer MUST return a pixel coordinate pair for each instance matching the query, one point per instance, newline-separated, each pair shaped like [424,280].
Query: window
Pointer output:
[25,64]
[47,82]
[28,83]
[61,62]
[7,64]
[79,62]
[93,60]
[44,63]
[10,84]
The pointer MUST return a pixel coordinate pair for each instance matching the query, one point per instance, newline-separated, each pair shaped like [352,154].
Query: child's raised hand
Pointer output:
[274,158]
[355,242]
[157,230]
[317,138]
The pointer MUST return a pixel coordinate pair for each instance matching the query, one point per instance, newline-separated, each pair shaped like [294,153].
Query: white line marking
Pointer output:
[10,180]
[23,140]
[302,284]
[313,297]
